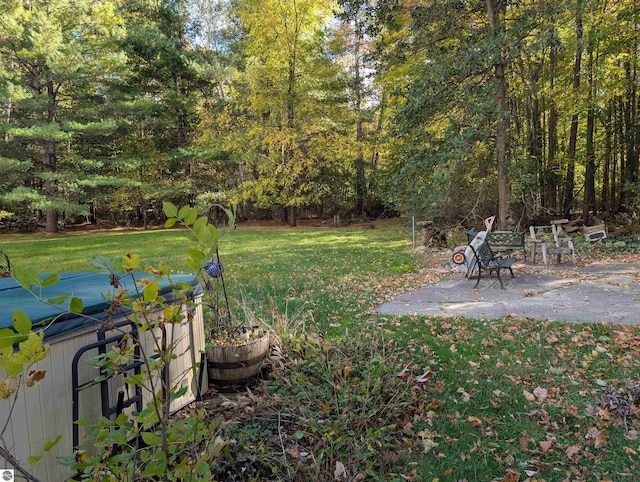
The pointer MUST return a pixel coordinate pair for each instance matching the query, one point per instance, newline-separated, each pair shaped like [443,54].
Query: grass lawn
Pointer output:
[376,397]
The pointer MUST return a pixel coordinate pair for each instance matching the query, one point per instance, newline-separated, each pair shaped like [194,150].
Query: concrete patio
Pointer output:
[595,293]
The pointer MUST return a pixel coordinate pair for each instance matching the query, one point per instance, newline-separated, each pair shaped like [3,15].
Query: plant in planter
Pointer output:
[237,345]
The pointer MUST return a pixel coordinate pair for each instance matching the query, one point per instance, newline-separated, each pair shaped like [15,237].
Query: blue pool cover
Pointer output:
[92,288]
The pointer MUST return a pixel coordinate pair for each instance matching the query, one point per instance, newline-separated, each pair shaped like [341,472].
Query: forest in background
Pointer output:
[450,110]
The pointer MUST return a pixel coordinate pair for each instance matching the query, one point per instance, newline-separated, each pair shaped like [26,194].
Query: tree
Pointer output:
[55,54]
[161,91]
[354,14]
[289,87]
[496,9]
[446,71]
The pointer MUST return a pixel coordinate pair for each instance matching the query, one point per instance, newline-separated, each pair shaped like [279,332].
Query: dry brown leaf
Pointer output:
[600,441]
[340,473]
[474,421]
[465,396]
[572,450]
[424,377]
[529,396]
[428,445]
[511,476]
[599,438]
[38,375]
[435,403]
[546,445]
[440,386]
[541,394]
[572,410]
[293,452]
[410,476]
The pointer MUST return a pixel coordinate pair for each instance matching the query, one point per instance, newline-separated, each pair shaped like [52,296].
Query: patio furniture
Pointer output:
[499,241]
[563,244]
[549,240]
[485,259]
[506,242]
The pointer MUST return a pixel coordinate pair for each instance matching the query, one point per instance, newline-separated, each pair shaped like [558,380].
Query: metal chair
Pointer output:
[487,261]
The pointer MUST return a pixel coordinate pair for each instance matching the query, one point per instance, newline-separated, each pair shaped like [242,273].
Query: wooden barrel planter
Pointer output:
[237,363]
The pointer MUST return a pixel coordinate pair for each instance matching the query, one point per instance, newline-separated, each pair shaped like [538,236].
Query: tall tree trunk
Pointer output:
[535,139]
[608,157]
[630,171]
[569,184]
[551,187]
[47,146]
[292,217]
[360,182]
[589,203]
[290,108]
[617,195]
[48,152]
[494,10]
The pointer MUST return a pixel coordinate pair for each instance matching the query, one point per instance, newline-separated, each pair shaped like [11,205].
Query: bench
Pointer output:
[506,242]
[485,259]
[503,241]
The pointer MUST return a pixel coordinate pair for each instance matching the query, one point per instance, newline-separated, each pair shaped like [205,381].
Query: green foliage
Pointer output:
[54,58]
[206,236]
[203,257]
[184,450]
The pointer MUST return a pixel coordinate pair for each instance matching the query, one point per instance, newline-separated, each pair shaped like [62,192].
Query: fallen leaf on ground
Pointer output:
[546,445]
[424,377]
[474,421]
[529,396]
[541,394]
[599,438]
[511,476]
[340,473]
[572,450]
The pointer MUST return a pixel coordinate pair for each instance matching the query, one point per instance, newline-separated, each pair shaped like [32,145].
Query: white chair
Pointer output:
[563,244]
[550,240]
[540,236]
